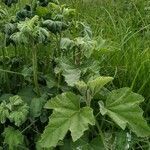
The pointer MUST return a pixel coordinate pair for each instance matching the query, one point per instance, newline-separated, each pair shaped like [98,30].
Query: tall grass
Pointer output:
[125,26]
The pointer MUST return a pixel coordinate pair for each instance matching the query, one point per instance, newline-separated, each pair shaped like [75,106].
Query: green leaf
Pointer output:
[13,138]
[15,110]
[51,80]
[67,115]
[18,110]
[82,87]
[83,144]
[97,84]
[72,76]
[95,144]
[42,11]
[36,106]
[4,112]
[122,106]
[5,97]
[27,94]
[55,26]
[69,71]
[66,44]
[86,45]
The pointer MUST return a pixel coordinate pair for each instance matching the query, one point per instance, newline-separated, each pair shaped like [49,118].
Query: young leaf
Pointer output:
[96,85]
[18,110]
[4,112]
[13,138]
[122,106]
[36,106]
[67,115]
[82,87]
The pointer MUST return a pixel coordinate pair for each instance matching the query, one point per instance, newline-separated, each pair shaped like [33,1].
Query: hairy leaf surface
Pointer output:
[122,106]
[67,115]
[96,84]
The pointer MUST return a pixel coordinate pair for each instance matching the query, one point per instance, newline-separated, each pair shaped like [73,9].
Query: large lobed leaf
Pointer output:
[67,115]
[122,106]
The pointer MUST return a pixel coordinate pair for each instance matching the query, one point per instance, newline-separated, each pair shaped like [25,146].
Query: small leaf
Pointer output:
[13,138]
[18,110]
[4,112]
[66,44]
[97,84]
[82,87]
[19,116]
[67,115]
[42,11]
[36,106]
[27,94]
[51,80]
[69,71]
[122,106]
[72,76]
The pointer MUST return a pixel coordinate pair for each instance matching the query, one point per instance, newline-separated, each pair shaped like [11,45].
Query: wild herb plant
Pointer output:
[53,94]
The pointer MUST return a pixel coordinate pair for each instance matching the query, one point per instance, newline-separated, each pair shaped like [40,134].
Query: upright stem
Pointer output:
[35,70]
[88,101]
[88,98]
[4,66]
[100,133]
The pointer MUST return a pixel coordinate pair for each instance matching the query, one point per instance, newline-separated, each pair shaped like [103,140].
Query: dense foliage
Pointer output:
[52,93]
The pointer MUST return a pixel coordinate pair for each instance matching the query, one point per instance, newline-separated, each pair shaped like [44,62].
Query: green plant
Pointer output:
[58,97]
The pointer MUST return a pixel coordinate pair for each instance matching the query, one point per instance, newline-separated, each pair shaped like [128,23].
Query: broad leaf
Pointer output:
[55,26]
[13,138]
[67,115]
[122,106]
[69,71]
[72,76]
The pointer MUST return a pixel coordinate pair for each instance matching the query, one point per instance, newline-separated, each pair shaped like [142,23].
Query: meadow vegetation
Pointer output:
[75,75]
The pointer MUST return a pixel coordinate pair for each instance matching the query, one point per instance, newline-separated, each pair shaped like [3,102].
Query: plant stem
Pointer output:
[88,98]
[100,133]
[4,66]
[35,70]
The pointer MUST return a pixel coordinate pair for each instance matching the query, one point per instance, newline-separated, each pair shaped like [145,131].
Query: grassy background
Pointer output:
[124,26]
